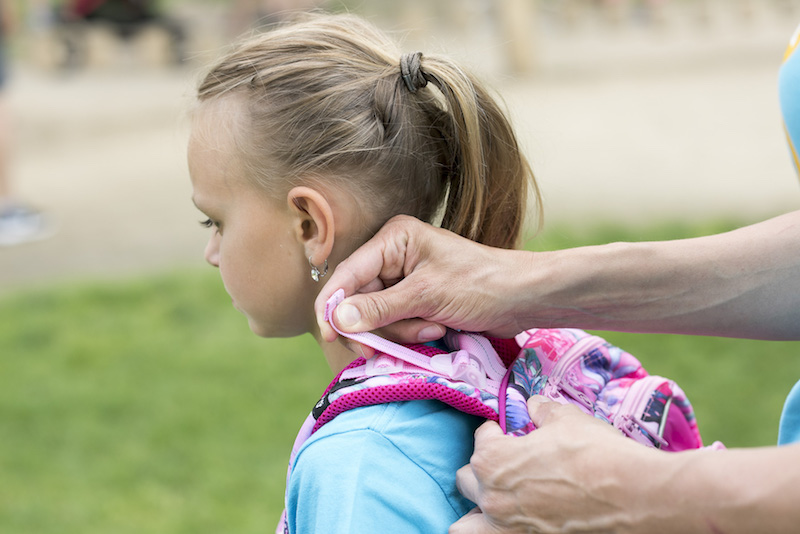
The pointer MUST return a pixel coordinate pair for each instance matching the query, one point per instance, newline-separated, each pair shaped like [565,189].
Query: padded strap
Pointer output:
[475,361]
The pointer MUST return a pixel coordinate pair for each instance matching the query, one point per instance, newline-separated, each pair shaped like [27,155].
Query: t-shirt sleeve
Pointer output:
[359,481]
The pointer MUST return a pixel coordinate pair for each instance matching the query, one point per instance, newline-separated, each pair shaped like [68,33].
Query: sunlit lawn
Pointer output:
[147,406]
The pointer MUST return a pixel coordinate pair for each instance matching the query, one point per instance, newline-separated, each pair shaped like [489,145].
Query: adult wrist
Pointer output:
[585,287]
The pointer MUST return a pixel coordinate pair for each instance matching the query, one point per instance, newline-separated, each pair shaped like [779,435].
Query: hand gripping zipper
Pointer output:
[475,367]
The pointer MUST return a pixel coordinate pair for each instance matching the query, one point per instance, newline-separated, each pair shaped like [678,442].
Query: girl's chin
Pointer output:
[258,329]
[271,330]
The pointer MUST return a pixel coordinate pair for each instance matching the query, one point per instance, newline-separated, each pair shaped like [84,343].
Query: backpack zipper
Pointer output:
[627,421]
[575,353]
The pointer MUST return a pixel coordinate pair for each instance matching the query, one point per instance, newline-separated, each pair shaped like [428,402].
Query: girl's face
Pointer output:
[253,243]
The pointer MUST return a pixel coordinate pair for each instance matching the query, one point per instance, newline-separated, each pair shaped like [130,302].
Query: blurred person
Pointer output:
[575,474]
[126,17]
[19,223]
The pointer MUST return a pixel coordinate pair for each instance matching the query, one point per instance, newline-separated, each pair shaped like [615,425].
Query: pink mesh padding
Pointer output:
[507,349]
[406,392]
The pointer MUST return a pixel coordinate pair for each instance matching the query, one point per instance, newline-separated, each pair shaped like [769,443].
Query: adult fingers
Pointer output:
[489,442]
[472,523]
[362,271]
[466,479]
[467,483]
[392,308]
[412,331]
[378,261]
[544,411]
[389,313]
[487,431]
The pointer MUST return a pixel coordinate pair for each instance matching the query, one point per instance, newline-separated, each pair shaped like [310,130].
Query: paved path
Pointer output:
[626,130]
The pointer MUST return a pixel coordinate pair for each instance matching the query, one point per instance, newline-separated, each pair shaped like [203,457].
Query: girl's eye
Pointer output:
[208,223]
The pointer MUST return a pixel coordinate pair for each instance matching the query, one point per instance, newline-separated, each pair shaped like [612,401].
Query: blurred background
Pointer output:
[133,399]
[631,111]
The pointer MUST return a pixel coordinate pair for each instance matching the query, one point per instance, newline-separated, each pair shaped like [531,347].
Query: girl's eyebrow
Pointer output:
[201,210]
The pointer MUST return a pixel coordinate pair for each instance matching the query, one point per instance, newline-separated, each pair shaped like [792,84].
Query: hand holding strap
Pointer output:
[474,361]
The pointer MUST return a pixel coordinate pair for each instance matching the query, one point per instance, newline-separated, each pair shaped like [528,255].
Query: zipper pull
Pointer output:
[634,429]
[578,396]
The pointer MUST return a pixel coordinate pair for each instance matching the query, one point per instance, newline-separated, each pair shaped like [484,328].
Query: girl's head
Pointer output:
[308,138]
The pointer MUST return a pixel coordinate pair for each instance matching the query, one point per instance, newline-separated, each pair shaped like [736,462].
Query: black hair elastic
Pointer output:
[411,71]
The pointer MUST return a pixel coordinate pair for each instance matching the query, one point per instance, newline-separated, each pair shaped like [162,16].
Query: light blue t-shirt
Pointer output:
[384,468]
[789,86]
[789,427]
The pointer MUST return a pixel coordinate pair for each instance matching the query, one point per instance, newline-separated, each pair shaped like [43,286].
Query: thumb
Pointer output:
[540,409]
[489,430]
[472,523]
[364,312]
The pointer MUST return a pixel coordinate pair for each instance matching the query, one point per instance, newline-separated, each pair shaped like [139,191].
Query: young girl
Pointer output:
[304,142]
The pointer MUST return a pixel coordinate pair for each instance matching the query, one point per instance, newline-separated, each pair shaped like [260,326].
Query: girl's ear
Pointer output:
[313,222]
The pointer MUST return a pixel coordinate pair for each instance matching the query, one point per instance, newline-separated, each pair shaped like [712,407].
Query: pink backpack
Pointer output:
[493,379]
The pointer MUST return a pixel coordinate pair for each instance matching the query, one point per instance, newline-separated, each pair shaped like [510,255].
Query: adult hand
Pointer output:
[563,477]
[576,474]
[418,279]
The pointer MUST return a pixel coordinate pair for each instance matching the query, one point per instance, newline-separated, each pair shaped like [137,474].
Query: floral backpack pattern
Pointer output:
[494,378]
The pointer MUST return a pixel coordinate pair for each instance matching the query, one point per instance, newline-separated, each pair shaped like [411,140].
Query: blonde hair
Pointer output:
[325,100]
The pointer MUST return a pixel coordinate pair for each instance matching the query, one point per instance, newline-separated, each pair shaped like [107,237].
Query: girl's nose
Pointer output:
[212,251]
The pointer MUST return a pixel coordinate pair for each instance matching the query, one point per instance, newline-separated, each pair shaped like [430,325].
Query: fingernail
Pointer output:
[347,315]
[430,333]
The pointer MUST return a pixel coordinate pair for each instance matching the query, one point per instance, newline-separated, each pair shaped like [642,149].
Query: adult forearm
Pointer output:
[744,283]
[733,491]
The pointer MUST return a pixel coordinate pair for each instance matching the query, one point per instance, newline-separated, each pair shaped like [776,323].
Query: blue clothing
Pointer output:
[788,85]
[789,427]
[389,467]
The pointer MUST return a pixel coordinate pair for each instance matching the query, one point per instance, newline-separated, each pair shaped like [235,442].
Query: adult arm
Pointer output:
[577,474]
[744,283]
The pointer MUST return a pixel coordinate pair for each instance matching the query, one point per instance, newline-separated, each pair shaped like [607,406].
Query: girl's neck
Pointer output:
[336,354]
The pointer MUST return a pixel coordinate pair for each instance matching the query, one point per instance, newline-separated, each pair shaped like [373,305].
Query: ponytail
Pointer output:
[487,195]
[329,99]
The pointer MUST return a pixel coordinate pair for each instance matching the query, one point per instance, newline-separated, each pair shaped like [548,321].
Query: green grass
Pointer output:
[148,406]
[145,407]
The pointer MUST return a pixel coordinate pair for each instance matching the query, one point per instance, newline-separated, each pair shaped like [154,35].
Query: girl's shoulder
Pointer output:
[421,429]
[396,460]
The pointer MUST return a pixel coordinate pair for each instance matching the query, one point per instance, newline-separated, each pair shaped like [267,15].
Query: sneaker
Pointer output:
[20,224]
